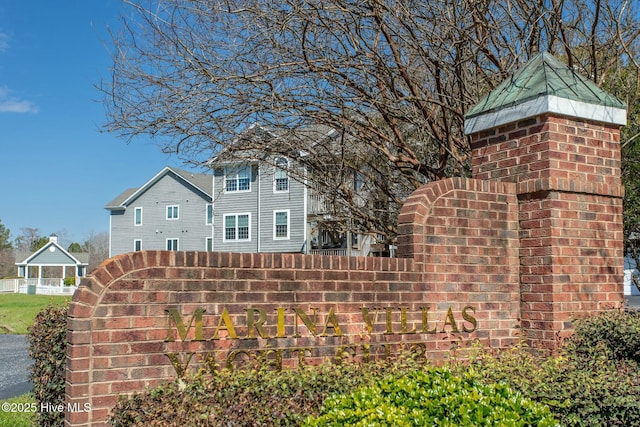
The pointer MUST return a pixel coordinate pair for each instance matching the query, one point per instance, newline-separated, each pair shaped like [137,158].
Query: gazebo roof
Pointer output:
[54,254]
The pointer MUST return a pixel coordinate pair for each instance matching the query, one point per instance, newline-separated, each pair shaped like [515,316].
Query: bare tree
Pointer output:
[97,245]
[7,263]
[27,242]
[390,79]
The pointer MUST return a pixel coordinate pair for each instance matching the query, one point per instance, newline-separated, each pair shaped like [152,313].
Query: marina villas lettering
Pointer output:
[282,324]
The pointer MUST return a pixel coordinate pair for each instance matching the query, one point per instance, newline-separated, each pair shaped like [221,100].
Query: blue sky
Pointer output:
[57,170]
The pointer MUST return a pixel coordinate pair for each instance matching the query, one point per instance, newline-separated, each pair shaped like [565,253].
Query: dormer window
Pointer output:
[281,180]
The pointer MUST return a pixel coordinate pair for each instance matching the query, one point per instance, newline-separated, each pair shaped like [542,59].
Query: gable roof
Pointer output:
[76,258]
[117,203]
[269,144]
[200,182]
[544,85]
[241,148]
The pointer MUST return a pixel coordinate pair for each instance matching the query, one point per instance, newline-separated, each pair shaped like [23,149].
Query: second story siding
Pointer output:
[235,192]
[271,199]
[169,213]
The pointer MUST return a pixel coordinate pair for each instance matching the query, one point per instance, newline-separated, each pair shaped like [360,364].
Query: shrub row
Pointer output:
[245,398]
[433,397]
[593,381]
[47,347]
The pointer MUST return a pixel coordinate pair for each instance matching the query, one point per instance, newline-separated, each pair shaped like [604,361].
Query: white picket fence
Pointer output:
[36,286]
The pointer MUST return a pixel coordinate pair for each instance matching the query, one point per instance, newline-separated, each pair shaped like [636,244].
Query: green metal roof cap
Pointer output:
[544,75]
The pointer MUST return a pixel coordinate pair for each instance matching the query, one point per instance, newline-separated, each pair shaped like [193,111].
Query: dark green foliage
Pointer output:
[244,398]
[75,247]
[433,397]
[5,235]
[47,348]
[593,381]
[593,391]
[618,331]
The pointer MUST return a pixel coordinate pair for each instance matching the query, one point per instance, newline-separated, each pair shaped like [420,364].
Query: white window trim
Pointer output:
[207,245]
[167,212]
[228,172]
[288,211]
[166,246]
[275,190]
[224,228]
[207,220]
[135,211]
[134,244]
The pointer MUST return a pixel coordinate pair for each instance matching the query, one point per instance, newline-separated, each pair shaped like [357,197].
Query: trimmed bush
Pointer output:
[580,392]
[244,398]
[593,381]
[433,397]
[47,347]
[617,330]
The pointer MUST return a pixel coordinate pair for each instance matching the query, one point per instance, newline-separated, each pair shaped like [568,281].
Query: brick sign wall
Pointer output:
[146,317]
[518,252]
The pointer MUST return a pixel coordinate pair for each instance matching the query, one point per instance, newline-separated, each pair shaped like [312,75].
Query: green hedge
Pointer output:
[593,381]
[244,398]
[433,397]
[616,331]
[47,347]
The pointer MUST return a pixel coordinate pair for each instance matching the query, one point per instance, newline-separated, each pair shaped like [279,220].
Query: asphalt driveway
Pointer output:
[14,366]
[633,301]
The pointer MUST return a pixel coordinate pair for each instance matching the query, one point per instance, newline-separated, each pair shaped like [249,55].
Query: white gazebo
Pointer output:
[51,258]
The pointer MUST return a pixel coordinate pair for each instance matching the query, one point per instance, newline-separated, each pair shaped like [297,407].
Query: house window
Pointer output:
[137,216]
[137,245]
[209,218]
[281,224]
[172,244]
[281,181]
[237,179]
[208,245]
[236,227]
[172,212]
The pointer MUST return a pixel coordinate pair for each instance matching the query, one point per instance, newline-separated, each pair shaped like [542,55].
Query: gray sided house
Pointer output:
[263,204]
[171,211]
[250,204]
[258,206]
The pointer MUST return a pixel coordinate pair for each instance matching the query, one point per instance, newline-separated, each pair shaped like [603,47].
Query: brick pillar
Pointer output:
[568,182]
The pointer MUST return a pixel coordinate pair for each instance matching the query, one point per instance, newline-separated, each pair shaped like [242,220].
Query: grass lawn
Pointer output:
[17,311]
[18,411]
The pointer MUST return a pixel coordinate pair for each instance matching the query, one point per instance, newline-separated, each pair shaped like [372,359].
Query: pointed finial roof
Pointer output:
[544,85]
